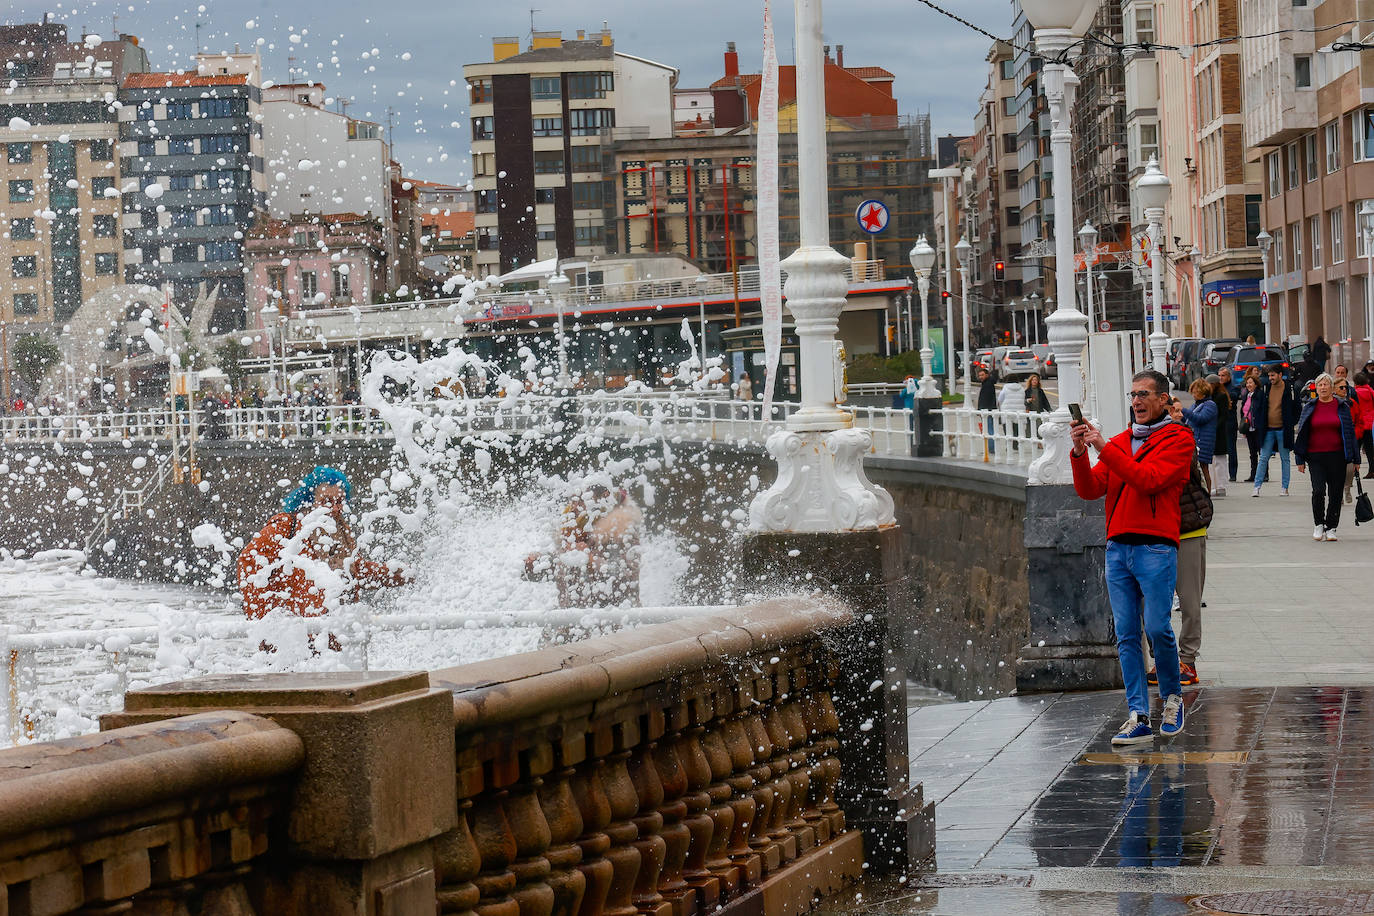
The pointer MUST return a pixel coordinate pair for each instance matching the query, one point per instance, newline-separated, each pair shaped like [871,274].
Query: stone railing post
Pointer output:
[369,829]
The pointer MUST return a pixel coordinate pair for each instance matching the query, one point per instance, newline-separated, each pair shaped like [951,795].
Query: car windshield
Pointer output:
[1020,354]
[1258,355]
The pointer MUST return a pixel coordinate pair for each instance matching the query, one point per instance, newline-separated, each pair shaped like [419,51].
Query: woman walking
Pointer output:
[1202,420]
[1325,438]
[1248,421]
[1225,435]
[1364,393]
[1036,399]
[1343,392]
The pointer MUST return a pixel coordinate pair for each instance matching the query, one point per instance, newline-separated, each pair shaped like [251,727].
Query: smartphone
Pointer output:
[1076,412]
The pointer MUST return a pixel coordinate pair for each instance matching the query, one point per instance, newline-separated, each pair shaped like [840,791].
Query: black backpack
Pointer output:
[1195,505]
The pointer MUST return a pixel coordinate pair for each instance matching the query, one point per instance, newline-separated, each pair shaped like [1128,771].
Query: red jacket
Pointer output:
[1143,489]
[1364,396]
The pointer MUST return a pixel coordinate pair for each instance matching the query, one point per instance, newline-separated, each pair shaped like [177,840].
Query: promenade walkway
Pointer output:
[1264,805]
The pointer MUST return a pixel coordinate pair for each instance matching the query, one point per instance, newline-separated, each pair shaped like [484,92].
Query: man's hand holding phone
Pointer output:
[1083,433]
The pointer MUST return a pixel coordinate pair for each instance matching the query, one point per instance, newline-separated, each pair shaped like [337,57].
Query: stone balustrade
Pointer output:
[681,768]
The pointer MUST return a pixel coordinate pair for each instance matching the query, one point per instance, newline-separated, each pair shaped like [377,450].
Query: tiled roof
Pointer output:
[185,78]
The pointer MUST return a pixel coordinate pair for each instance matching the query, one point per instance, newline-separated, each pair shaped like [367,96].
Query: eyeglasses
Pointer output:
[1141,395]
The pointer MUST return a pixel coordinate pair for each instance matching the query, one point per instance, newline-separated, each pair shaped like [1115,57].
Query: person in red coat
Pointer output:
[1142,473]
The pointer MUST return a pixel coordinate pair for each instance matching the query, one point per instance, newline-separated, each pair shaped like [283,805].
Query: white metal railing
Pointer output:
[111,654]
[1010,438]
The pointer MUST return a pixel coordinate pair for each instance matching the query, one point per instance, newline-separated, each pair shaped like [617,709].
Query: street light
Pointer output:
[1153,191]
[923,259]
[1367,215]
[702,282]
[1058,25]
[558,288]
[946,176]
[1014,306]
[1265,242]
[964,251]
[1087,240]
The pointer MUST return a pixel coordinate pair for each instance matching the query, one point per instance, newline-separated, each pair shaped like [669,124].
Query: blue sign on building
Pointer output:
[1244,287]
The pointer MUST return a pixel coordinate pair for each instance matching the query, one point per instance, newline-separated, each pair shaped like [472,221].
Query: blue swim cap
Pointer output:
[304,495]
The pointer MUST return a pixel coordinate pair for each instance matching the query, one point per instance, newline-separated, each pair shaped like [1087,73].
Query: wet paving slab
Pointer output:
[1262,779]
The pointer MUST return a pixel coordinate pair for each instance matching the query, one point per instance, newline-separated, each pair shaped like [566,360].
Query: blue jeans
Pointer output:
[1273,442]
[1141,579]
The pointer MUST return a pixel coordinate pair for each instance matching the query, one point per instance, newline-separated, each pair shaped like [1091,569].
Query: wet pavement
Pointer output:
[1268,790]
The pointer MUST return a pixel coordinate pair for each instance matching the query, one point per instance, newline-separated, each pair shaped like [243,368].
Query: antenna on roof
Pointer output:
[197,37]
[532,12]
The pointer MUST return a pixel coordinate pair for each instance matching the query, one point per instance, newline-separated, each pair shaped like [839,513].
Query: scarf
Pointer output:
[1141,431]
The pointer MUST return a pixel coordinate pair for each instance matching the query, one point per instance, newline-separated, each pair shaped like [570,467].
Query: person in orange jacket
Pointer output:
[303,550]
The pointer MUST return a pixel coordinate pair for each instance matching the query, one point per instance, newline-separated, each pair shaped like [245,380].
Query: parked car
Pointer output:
[982,359]
[1018,363]
[1256,357]
[1187,352]
[1208,357]
[1172,357]
[1048,367]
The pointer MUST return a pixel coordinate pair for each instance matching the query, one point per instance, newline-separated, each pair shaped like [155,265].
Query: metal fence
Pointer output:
[1010,438]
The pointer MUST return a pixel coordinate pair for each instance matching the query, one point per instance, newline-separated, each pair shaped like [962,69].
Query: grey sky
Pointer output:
[938,63]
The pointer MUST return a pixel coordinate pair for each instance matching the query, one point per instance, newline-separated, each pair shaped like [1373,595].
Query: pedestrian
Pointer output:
[1226,436]
[1340,372]
[1232,385]
[1277,414]
[1202,420]
[1320,351]
[1248,421]
[1036,399]
[1325,440]
[1142,473]
[1195,514]
[1364,392]
[1343,392]
[987,400]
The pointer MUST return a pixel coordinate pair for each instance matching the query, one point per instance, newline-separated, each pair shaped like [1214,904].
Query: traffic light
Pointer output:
[944,294]
[999,270]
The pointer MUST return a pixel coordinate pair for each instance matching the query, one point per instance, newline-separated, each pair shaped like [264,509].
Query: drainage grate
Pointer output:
[972,879]
[1288,903]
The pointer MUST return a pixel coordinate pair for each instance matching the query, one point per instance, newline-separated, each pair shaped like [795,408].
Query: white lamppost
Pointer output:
[1153,190]
[1367,218]
[1058,25]
[1013,307]
[821,484]
[1087,240]
[702,282]
[1033,313]
[558,289]
[947,177]
[1265,242]
[964,250]
[910,321]
[922,260]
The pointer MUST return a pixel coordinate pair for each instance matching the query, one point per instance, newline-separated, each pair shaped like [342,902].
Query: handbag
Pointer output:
[1195,503]
[1364,512]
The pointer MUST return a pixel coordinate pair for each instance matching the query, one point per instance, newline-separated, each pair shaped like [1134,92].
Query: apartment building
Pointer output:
[1035,178]
[540,119]
[1313,136]
[996,234]
[59,213]
[191,146]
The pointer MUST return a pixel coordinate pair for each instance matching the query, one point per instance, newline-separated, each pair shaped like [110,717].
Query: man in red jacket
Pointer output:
[1142,473]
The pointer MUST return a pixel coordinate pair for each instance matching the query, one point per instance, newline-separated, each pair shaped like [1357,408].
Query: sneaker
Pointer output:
[1171,722]
[1256,493]
[1152,678]
[1283,492]
[1187,674]
[1318,533]
[1134,731]
[1331,535]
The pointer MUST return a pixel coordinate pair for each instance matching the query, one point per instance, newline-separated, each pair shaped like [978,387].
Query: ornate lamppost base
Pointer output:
[821,484]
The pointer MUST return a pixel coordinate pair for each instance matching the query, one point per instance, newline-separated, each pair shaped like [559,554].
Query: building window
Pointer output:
[220,143]
[341,287]
[1252,219]
[106,263]
[479,90]
[1009,106]
[1278,251]
[1291,151]
[1274,187]
[1144,24]
[185,254]
[1302,71]
[548,162]
[99,186]
[276,281]
[147,147]
[1314,239]
[547,127]
[1149,142]
[482,128]
[1013,216]
[217,108]
[543,88]
[146,112]
[181,183]
[179,111]
[1008,68]
[220,216]
[589,235]
[310,285]
[1295,234]
[544,232]
[21,191]
[24,266]
[1360,228]
[1333,147]
[589,122]
[182,218]
[1337,236]
[586,195]
[26,303]
[1362,134]
[23,228]
[590,85]
[543,195]
[181,146]
[103,226]
[1309,155]
[487,201]
[18,153]
[1009,143]
[586,158]
[102,150]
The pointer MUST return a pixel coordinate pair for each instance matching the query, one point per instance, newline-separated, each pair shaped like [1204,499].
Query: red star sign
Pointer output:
[872,218]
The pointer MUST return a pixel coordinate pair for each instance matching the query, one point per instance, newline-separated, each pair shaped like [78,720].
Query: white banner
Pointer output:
[770,273]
